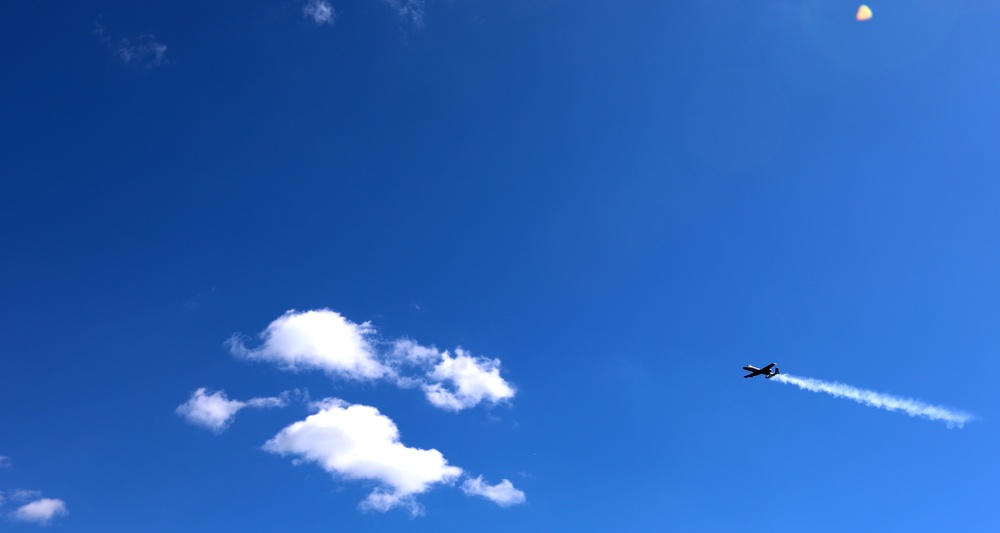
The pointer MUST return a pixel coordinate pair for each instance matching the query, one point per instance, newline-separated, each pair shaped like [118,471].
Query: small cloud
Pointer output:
[5,461]
[472,380]
[503,494]
[320,11]
[321,339]
[215,411]
[357,442]
[409,11]
[40,511]
[451,383]
[408,351]
[142,50]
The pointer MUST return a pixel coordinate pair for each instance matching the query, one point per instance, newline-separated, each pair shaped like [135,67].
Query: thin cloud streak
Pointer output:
[23,495]
[870,398]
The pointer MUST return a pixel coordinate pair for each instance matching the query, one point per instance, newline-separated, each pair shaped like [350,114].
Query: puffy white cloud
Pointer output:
[320,339]
[503,494]
[450,383]
[320,11]
[472,380]
[215,411]
[40,511]
[357,442]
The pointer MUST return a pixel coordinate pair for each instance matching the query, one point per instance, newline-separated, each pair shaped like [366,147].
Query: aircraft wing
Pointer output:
[767,368]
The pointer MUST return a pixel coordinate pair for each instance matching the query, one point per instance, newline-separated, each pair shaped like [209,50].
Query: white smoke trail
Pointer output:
[877,399]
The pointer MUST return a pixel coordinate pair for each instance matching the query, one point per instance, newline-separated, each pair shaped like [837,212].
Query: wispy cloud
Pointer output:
[5,461]
[323,339]
[410,11]
[142,50]
[357,442]
[23,495]
[41,511]
[215,411]
[503,494]
[320,12]
[880,400]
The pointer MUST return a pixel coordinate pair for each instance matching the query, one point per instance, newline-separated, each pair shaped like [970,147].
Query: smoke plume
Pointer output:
[878,399]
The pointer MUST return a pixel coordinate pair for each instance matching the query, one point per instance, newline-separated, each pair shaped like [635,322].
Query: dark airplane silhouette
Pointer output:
[767,372]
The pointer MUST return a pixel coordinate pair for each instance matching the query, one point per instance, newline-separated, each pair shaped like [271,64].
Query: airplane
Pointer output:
[767,372]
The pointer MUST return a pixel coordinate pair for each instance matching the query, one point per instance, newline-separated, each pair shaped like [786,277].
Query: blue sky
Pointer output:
[529,245]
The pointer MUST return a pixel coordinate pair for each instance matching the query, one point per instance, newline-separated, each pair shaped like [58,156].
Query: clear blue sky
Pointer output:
[622,201]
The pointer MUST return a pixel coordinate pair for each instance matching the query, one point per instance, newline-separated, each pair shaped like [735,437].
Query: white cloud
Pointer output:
[140,51]
[215,411]
[353,441]
[451,383]
[320,11]
[40,511]
[5,461]
[321,339]
[410,11]
[472,380]
[324,339]
[503,494]
[357,442]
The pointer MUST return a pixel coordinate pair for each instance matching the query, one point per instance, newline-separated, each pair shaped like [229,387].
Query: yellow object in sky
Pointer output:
[864,13]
